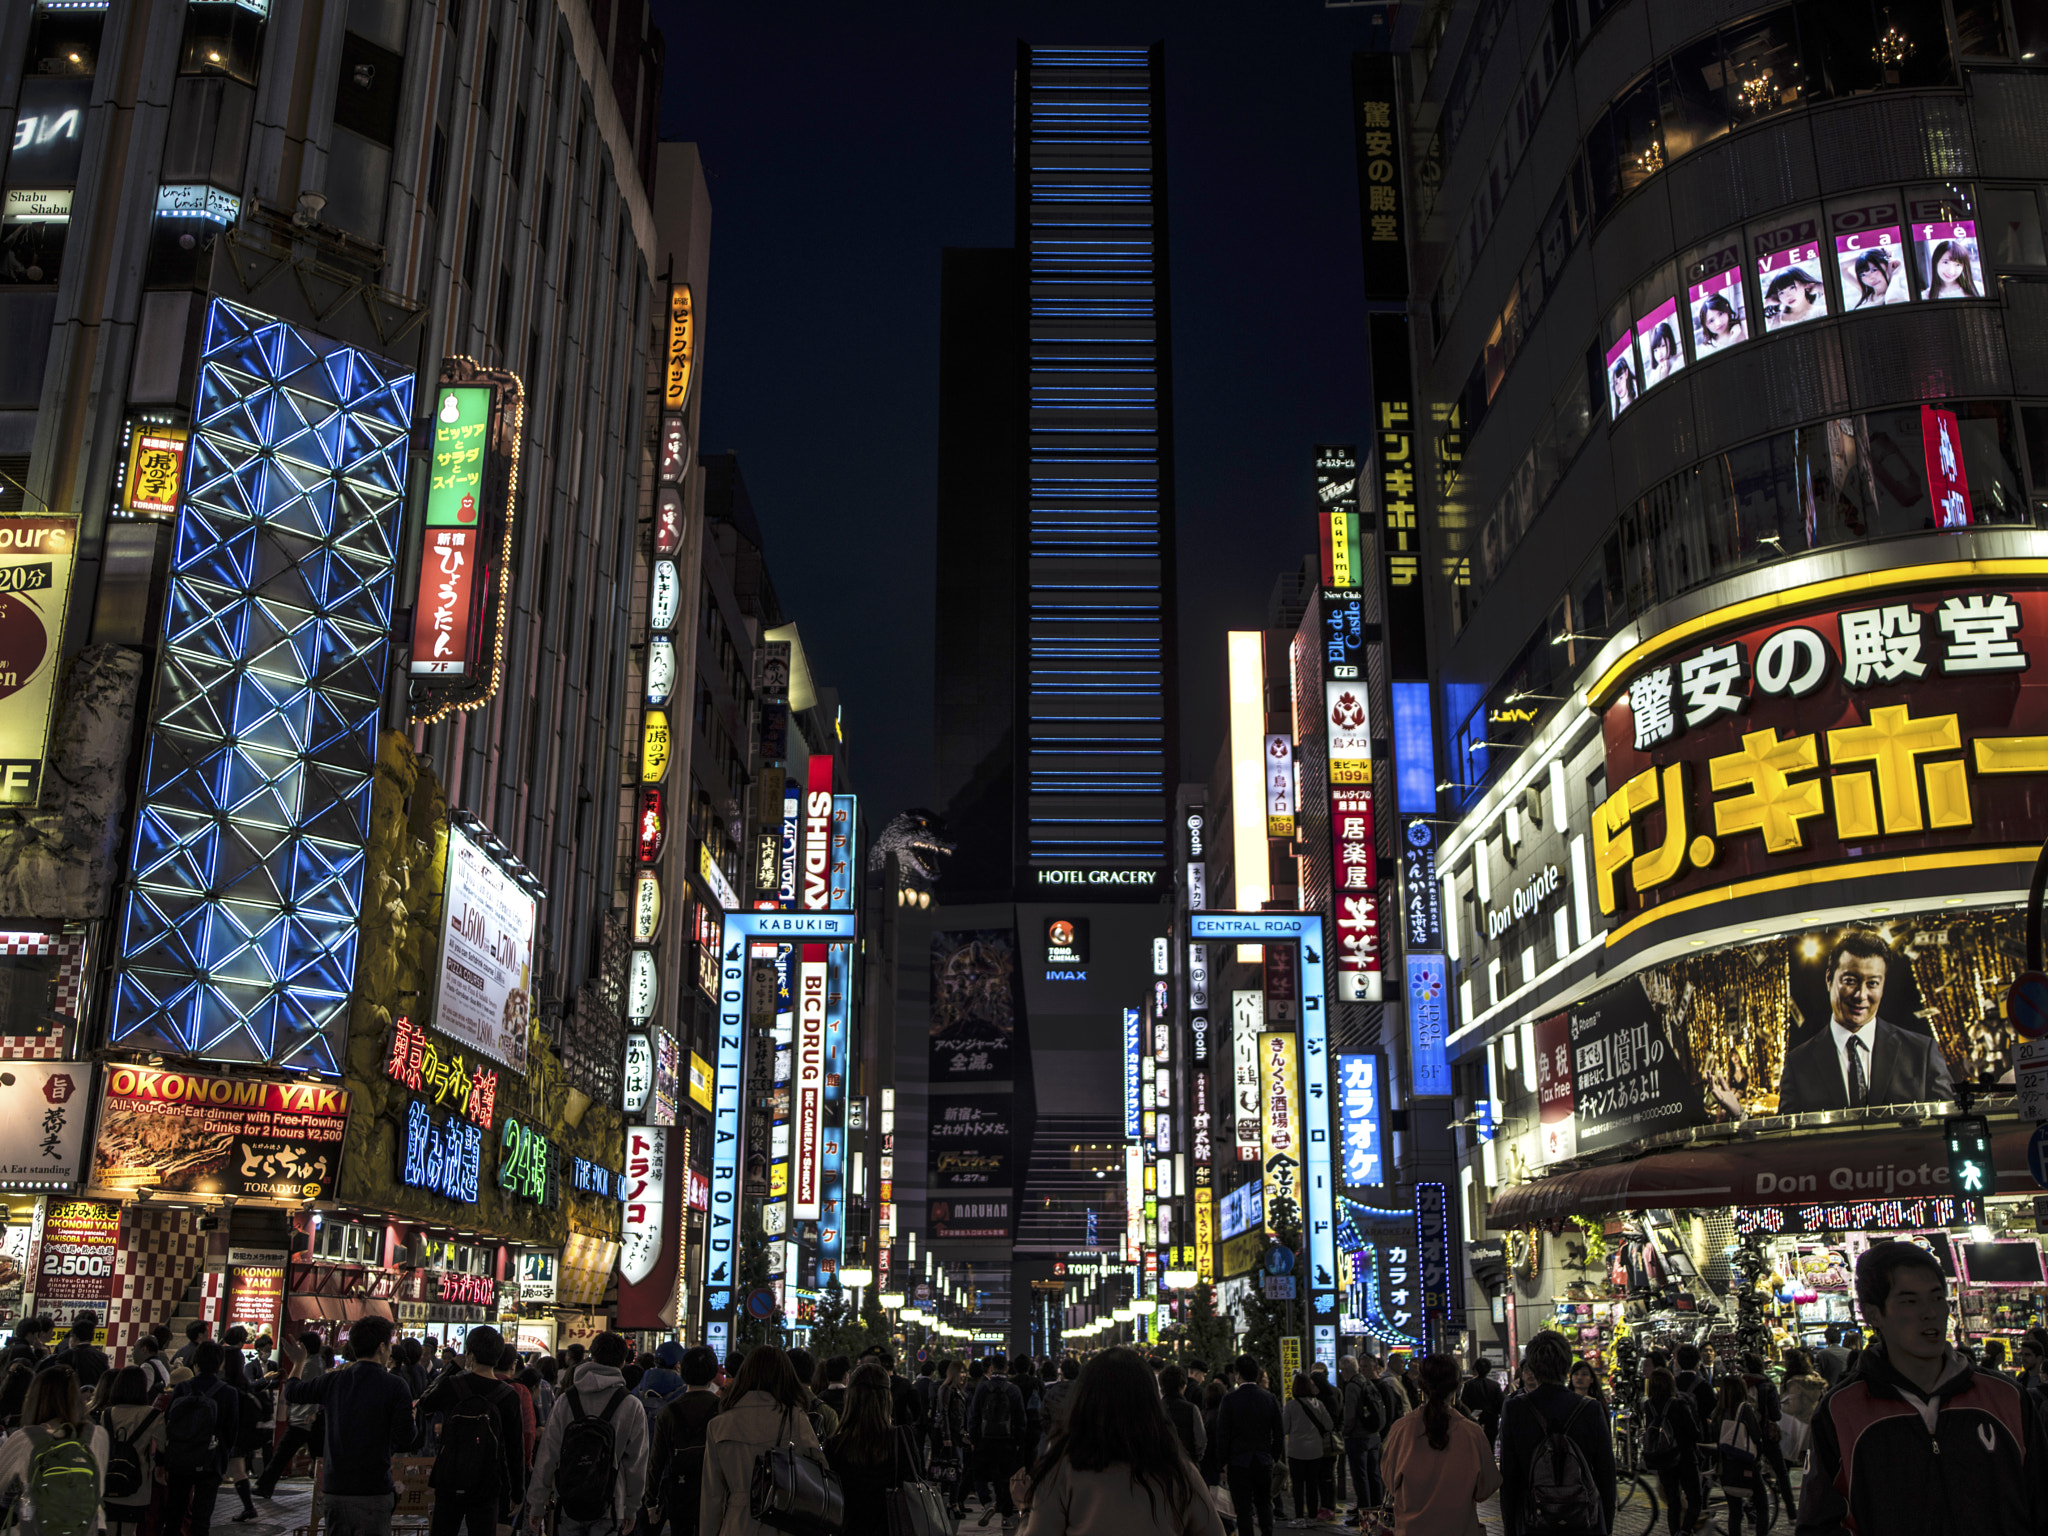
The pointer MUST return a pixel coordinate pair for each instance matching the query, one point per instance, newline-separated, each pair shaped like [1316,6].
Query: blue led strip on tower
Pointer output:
[1098,619]
[237,930]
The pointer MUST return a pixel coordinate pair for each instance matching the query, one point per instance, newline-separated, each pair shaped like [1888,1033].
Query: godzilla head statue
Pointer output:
[914,837]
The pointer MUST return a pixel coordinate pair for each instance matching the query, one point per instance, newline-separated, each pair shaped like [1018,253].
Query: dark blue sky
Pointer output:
[846,145]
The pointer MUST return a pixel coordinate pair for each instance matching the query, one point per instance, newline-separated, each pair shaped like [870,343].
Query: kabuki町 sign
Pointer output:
[1902,718]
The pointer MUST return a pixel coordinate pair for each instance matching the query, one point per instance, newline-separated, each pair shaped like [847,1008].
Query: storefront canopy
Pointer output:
[1797,1169]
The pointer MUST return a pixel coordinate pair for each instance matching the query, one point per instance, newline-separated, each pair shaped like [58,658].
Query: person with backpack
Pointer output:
[1249,1437]
[1770,1413]
[1438,1462]
[662,1376]
[1693,1382]
[1670,1447]
[366,1415]
[1363,1419]
[763,1411]
[134,1425]
[1481,1397]
[824,1420]
[1059,1397]
[592,1461]
[675,1476]
[834,1394]
[1738,1452]
[87,1360]
[202,1426]
[53,1470]
[303,1428]
[995,1423]
[251,1415]
[478,1469]
[1556,1452]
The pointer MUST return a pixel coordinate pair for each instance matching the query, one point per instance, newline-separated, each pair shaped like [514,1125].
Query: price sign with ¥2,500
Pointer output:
[2030,1079]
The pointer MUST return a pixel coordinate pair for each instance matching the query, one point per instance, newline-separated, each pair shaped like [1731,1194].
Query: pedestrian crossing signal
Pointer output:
[1969,1156]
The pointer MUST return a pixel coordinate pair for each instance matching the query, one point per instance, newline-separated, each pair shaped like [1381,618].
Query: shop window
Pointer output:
[1898,472]
[33,227]
[64,42]
[358,180]
[1980,29]
[1942,238]
[2034,423]
[1912,43]
[49,133]
[347,1242]
[180,250]
[223,39]
[366,91]
[2009,227]
[26,320]
[1991,461]
[1839,38]
[1764,70]
[1693,87]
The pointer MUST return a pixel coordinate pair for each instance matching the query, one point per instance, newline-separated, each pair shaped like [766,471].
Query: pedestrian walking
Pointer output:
[1914,1441]
[1364,1418]
[1118,1468]
[949,1436]
[1481,1397]
[1556,1452]
[763,1410]
[1437,1462]
[202,1425]
[1670,1448]
[675,1474]
[1185,1416]
[1250,1435]
[53,1469]
[1309,1431]
[871,1453]
[1738,1449]
[478,1471]
[304,1430]
[366,1414]
[135,1440]
[995,1424]
[591,1463]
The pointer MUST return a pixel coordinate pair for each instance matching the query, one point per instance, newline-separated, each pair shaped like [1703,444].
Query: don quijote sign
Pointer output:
[1525,901]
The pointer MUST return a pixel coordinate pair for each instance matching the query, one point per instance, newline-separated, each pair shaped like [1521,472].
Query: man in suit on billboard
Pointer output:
[1860,1058]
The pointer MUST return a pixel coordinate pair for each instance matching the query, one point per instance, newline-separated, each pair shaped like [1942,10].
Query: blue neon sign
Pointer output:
[1429,1026]
[1358,1110]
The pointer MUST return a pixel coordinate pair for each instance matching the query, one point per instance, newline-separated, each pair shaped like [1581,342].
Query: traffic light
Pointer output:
[1969,1156]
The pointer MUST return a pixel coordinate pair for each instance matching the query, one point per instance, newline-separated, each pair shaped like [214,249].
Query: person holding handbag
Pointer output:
[870,1453]
[1309,1430]
[1437,1463]
[764,1410]
[949,1435]
[1738,1437]
[1117,1468]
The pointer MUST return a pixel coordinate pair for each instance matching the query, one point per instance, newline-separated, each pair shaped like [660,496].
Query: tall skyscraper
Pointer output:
[1085,456]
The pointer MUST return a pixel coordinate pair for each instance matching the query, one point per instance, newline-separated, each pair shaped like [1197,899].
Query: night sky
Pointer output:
[846,145]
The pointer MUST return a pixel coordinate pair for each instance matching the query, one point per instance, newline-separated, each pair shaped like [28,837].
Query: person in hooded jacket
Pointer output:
[600,1381]
[764,1408]
[1913,1440]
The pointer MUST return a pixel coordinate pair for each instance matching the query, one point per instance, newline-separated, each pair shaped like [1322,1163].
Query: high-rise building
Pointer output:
[1056,497]
[1725,418]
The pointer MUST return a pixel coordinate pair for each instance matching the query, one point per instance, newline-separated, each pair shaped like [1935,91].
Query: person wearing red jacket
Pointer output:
[1914,1441]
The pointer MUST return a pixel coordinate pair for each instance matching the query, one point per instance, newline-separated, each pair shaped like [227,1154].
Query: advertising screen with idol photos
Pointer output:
[1658,342]
[1623,381]
[1791,284]
[1717,309]
[1870,257]
[1949,262]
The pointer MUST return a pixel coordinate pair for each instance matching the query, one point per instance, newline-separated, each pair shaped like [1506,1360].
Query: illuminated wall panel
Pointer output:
[1099,626]
[238,927]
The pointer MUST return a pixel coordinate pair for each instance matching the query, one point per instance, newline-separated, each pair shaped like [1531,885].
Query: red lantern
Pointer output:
[653,830]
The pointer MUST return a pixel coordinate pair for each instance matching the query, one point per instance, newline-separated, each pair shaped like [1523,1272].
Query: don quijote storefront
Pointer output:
[1779,944]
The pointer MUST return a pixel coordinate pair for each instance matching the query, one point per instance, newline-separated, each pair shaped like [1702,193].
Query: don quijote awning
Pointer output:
[1790,1169]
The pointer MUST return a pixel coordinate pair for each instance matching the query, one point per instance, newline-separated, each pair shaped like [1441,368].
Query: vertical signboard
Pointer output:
[1134,1032]
[1554,1099]
[1429,1064]
[1376,130]
[1247,1022]
[682,348]
[1358,1112]
[817,851]
[1433,1258]
[1337,517]
[806,1197]
[1279,788]
[445,608]
[1355,892]
[1949,490]
[1280,1128]
[1319,1195]
[1397,477]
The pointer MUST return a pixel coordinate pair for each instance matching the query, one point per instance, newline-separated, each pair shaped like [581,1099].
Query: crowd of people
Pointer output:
[1902,1434]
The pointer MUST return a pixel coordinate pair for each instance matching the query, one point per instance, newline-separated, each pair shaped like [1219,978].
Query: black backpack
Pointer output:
[1559,1495]
[127,1478]
[1660,1442]
[691,1414]
[996,1420]
[586,1479]
[192,1432]
[471,1461]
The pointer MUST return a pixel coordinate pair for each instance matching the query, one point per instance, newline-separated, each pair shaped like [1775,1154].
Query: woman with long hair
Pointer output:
[1117,1468]
[131,1418]
[949,1434]
[1718,324]
[1739,1436]
[1585,1382]
[1308,1424]
[1436,1464]
[1671,1437]
[764,1408]
[1873,275]
[1948,272]
[53,1412]
[870,1453]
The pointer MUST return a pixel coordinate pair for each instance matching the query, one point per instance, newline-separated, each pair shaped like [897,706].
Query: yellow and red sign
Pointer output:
[1898,717]
[187,1133]
[682,347]
[156,470]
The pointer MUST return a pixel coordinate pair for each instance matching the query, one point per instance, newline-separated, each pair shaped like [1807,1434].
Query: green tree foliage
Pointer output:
[1206,1335]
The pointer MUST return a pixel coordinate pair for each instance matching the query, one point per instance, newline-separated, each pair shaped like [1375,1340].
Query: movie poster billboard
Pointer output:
[968,1141]
[182,1133]
[484,994]
[974,1005]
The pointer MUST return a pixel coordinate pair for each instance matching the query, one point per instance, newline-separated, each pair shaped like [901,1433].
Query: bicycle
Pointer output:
[1635,1490]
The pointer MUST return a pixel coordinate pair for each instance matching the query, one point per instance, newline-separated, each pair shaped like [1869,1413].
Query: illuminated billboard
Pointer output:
[38,552]
[237,934]
[483,995]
